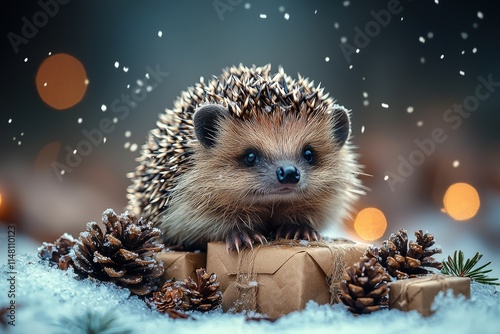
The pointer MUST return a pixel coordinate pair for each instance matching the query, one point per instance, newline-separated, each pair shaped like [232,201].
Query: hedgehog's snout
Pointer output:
[288,174]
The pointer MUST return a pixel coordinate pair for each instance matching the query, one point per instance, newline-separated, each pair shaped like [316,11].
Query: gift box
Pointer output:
[181,265]
[418,293]
[281,277]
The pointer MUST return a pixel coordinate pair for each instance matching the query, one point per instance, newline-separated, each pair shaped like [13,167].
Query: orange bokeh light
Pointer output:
[370,224]
[461,201]
[0,199]
[61,81]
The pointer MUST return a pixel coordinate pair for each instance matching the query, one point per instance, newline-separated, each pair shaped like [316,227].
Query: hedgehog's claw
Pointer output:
[239,239]
[297,232]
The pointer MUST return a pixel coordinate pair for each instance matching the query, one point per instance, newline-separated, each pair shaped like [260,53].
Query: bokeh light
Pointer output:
[0,200]
[61,81]
[461,201]
[370,224]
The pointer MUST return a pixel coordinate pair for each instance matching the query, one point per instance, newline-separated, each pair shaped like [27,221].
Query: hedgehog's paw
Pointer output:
[297,232]
[240,239]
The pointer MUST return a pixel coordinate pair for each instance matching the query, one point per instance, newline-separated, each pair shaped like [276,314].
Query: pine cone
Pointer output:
[171,296]
[189,295]
[404,259]
[123,253]
[204,294]
[365,286]
[58,252]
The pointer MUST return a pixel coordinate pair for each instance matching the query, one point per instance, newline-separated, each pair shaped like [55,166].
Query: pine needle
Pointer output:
[92,322]
[456,267]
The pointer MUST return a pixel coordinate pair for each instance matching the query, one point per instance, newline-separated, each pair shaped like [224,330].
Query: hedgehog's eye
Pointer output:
[250,157]
[308,155]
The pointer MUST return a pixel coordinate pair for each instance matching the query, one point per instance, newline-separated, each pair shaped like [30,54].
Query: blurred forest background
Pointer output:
[84,81]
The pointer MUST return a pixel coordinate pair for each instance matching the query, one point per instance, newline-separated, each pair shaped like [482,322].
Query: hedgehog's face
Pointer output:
[271,157]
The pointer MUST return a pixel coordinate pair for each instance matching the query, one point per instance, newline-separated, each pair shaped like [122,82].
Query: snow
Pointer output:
[45,296]
[327,59]
[263,16]
[104,108]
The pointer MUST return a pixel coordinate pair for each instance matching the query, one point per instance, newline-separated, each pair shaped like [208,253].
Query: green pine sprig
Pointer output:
[456,266]
[93,322]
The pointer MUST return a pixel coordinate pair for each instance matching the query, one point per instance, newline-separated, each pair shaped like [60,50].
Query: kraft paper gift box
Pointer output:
[181,265]
[418,293]
[276,279]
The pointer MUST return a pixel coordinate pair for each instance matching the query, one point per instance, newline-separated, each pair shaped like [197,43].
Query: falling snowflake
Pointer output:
[327,59]
[409,110]
[263,16]
[160,33]
[117,64]
[385,105]
[456,163]
[104,108]
[286,16]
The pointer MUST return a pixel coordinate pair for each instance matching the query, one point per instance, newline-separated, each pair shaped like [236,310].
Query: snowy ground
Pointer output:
[45,296]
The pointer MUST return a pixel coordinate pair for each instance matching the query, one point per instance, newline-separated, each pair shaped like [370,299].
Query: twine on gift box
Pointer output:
[246,281]
[407,299]
[338,252]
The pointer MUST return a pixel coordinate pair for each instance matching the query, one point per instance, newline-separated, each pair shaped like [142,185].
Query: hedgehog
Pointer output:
[244,158]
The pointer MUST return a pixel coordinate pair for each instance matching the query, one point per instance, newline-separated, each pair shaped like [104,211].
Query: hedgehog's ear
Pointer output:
[206,119]
[341,125]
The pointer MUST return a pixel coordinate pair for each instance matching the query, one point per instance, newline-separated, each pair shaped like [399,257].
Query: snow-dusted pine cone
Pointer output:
[170,297]
[122,253]
[404,259]
[58,252]
[365,286]
[189,295]
[204,293]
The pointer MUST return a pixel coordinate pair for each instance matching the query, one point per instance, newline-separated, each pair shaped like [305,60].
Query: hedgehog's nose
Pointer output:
[288,174]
